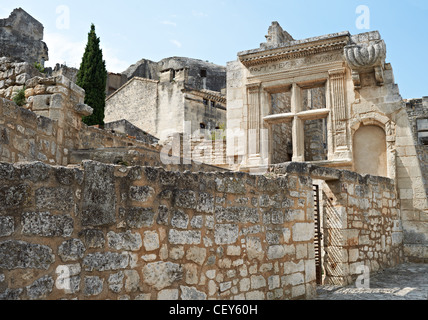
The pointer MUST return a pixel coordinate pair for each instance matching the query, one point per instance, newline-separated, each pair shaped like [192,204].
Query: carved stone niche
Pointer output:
[365,54]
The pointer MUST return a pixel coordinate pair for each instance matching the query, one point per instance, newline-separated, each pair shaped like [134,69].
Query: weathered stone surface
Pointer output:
[54,198]
[139,217]
[205,203]
[132,281]
[185,199]
[141,194]
[23,255]
[115,281]
[161,275]
[93,286]
[92,238]
[230,185]
[71,250]
[21,38]
[11,294]
[7,226]
[106,261]
[99,201]
[197,255]
[303,232]
[151,240]
[124,241]
[40,288]
[14,196]
[226,233]
[168,295]
[45,224]
[236,215]
[184,237]
[180,220]
[192,294]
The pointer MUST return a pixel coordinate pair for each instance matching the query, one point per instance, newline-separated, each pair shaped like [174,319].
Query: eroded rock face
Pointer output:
[21,38]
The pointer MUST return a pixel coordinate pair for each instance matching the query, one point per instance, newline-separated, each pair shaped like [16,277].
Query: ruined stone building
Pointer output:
[161,97]
[325,175]
[21,38]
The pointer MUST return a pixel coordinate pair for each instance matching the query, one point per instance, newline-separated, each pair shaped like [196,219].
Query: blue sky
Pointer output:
[216,30]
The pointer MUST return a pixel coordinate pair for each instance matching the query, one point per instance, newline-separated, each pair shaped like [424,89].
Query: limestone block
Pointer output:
[139,217]
[57,198]
[258,282]
[180,220]
[141,194]
[184,237]
[115,281]
[205,203]
[168,295]
[7,226]
[280,251]
[23,255]
[303,232]
[192,294]
[191,273]
[254,248]
[93,286]
[45,224]
[106,261]
[40,288]
[151,240]
[161,275]
[99,201]
[185,199]
[124,241]
[197,255]
[92,238]
[226,233]
[14,196]
[132,280]
[71,250]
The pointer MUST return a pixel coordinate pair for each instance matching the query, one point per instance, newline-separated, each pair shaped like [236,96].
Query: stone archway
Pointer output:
[370,151]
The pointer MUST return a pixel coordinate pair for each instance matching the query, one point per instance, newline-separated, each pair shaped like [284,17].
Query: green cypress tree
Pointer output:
[92,77]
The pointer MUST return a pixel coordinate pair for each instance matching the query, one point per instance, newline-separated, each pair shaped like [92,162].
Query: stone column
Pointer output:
[339,112]
[253,126]
[298,125]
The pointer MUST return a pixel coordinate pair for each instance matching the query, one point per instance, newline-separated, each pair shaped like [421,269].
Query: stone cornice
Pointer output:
[295,49]
[206,94]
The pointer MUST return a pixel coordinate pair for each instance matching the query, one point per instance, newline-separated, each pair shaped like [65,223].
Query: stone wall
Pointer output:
[412,167]
[21,38]
[114,232]
[362,227]
[360,221]
[24,136]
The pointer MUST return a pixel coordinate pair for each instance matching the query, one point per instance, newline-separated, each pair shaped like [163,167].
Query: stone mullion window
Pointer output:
[298,116]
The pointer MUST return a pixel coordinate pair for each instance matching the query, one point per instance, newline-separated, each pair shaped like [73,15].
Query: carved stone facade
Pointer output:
[360,113]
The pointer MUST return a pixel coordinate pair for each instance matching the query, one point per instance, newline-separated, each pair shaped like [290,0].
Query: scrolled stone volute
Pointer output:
[366,56]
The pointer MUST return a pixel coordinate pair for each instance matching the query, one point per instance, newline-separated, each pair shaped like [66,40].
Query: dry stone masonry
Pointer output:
[97,213]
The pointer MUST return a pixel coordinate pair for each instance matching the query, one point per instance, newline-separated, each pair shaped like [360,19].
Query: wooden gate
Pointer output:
[318,235]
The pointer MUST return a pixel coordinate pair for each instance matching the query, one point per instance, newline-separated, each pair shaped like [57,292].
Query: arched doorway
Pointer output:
[370,151]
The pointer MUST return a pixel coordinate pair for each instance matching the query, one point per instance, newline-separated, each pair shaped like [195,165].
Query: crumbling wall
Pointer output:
[114,232]
[21,38]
